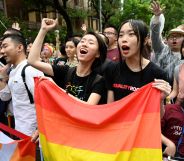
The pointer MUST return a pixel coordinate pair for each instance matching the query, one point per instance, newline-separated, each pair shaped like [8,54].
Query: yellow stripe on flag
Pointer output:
[64,153]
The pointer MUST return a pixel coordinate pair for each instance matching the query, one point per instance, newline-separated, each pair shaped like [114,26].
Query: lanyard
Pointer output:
[180,139]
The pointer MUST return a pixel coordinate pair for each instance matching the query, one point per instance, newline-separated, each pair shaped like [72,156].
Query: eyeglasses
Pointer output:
[109,33]
[178,36]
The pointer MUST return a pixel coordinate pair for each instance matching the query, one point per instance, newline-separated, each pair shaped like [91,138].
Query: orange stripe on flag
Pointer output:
[84,137]
[118,130]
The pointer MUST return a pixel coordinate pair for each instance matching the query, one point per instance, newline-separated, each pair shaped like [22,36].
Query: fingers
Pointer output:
[83,27]
[154,5]
[46,78]
[49,21]
[48,24]
[3,72]
[42,78]
[156,8]
[160,81]
[169,151]
[163,86]
[35,137]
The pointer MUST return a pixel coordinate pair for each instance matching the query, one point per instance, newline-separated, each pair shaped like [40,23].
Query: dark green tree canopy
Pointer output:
[113,12]
[110,11]
[140,9]
[174,13]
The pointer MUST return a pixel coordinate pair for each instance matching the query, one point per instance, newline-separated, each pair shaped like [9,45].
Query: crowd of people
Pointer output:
[97,68]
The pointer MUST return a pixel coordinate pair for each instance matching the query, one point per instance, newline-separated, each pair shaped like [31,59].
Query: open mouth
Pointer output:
[125,49]
[174,43]
[83,51]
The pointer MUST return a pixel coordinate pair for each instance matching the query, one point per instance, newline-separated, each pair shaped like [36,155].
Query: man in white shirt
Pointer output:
[13,48]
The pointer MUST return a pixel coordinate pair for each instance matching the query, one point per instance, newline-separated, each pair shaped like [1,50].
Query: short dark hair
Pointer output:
[18,39]
[102,50]
[77,35]
[74,40]
[112,26]
[105,38]
[13,31]
[62,50]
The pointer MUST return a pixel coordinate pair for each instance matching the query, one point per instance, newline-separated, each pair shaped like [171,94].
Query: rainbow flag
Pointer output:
[126,130]
[16,150]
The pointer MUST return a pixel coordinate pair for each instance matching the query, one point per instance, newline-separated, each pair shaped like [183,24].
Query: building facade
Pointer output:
[17,9]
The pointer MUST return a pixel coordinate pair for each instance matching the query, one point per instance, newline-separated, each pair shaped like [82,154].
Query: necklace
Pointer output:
[83,74]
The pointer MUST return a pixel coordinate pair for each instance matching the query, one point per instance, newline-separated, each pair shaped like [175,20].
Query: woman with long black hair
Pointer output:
[135,70]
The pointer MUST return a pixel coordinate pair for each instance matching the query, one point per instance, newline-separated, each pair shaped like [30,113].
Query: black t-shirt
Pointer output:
[123,81]
[60,61]
[80,87]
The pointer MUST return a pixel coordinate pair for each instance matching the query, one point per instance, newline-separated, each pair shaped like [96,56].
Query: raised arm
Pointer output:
[84,28]
[156,27]
[175,90]
[34,55]
[175,86]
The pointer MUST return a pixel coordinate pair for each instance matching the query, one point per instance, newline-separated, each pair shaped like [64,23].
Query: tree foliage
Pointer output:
[29,34]
[140,9]
[5,22]
[62,8]
[136,9]
[110,11]
[113,13]
[174,13]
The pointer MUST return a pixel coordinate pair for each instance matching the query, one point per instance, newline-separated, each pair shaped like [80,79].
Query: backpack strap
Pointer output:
[180,140]
[97,78]
[24,81]
[69,73]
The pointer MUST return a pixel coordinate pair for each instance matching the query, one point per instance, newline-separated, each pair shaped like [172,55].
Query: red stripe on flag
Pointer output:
[13,131]
[85,113]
